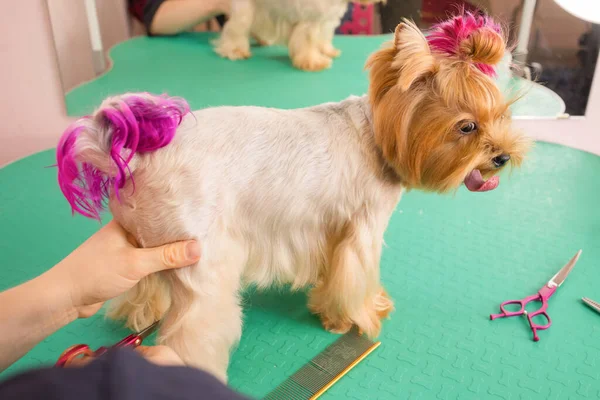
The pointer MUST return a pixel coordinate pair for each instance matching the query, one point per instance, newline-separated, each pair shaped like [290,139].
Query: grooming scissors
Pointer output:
[542,296]
[83,350]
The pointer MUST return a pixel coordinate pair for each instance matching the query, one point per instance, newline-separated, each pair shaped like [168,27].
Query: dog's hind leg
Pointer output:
[143,304]
[349,292]
[234,42]
[205,318]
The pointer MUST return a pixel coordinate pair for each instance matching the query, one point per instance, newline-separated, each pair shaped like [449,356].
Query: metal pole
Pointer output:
[95,37]
[525,30]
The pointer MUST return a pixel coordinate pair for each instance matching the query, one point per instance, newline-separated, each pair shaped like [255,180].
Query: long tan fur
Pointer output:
[303,197]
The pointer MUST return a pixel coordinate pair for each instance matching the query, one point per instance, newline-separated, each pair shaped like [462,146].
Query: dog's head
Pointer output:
[439,117]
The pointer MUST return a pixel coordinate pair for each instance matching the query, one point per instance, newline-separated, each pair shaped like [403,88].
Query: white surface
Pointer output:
[33,108]
[587,10]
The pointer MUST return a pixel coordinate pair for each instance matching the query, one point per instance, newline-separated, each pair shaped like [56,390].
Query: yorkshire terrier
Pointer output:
[307,28]
[298,197]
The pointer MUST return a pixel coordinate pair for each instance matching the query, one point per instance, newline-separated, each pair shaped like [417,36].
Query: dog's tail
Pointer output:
[95,152]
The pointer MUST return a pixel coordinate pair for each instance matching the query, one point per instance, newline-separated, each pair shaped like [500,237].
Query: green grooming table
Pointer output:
[449,261]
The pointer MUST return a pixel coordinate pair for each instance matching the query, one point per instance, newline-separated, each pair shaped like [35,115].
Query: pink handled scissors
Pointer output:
[542,296]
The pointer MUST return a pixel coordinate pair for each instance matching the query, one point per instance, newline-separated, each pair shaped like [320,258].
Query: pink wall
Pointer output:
[32,110]
[36,37]
[71,41]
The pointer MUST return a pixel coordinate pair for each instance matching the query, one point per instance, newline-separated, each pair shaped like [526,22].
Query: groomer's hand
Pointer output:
[109,263]
[160,355]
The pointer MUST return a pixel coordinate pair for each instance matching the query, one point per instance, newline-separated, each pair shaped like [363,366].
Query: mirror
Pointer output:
[553,64]
[557,51]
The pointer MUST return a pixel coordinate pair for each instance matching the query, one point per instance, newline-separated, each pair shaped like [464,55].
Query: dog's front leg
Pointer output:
[304,47]
[326,38]
[349,291]
[234,42]
[205,318]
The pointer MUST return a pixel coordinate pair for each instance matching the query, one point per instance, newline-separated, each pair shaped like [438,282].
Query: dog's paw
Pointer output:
[335,326]
[368,324]
[233,51]
[237,53]
[311,61]
[331,51]
[383,305]
[369,320]
[261,42]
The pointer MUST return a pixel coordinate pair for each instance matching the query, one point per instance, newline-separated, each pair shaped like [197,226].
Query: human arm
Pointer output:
[103,267]
[176,16]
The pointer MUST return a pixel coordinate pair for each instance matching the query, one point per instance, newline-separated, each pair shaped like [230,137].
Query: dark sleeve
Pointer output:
[118,375]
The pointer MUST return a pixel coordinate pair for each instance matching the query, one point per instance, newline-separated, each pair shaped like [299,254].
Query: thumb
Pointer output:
[172,255]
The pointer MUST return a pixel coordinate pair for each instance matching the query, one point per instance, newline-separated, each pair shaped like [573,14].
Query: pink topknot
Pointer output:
[447,37]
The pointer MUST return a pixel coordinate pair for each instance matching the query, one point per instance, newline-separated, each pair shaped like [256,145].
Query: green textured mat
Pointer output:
[449,263]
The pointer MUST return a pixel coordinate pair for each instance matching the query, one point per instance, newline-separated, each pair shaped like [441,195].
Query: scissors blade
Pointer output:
[144,333]
[560,277]
[592,304]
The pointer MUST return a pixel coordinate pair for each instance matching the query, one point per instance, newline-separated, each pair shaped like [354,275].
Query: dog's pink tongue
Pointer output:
[475,182]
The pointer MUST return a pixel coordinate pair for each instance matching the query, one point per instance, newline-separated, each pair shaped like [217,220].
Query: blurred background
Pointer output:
[67,42]
[562,48]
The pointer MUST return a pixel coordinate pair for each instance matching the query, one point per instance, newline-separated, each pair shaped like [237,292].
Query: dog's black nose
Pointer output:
[500,160]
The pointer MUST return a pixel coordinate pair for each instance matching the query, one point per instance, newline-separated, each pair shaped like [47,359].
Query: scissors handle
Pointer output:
[83,350]
[542,296]
[521,303]
[73,352]
[537,327]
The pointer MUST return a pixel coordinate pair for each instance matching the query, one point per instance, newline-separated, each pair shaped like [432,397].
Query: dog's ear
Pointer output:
[413,58]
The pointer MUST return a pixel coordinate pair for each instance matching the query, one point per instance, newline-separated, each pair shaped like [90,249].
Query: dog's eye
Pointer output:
[468,127]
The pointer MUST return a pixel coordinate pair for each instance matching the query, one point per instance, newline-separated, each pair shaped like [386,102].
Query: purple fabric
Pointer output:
[446,36]
[120,374]
[138,124]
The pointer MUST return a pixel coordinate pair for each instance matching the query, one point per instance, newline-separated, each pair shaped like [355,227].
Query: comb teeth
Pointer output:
[310,381]
[592,304]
